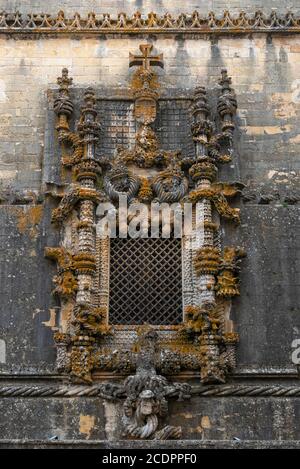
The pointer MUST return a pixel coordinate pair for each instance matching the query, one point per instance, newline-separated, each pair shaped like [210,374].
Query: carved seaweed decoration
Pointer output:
[205,342]
[146,152]
[216,274]
[147,395]
[242,23]
[85,323]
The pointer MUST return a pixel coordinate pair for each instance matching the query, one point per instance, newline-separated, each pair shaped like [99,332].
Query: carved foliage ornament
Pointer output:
[205,341]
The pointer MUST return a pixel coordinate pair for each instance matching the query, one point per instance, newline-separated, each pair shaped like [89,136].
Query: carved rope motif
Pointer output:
[100,390]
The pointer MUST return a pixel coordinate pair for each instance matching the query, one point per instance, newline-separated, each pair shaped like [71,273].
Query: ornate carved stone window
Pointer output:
[145,147]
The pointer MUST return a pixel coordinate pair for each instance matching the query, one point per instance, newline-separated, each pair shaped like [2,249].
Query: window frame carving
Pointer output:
[205,343]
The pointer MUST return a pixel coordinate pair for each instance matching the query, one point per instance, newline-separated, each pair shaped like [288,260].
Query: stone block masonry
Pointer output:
[265,72]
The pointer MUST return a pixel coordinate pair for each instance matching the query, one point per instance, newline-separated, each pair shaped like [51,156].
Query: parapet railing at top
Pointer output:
[122,23]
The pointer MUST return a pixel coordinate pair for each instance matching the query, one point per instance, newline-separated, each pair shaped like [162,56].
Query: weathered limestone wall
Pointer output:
[265,71]
[82,418]
[159,6]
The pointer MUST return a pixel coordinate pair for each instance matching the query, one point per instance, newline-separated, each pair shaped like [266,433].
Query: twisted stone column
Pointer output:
[203,172]
[86,173]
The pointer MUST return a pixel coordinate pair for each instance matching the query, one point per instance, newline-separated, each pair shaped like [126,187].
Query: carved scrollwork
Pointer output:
[228,282]
[170,186]
[216,195]
[120,182]
[147,395]
[91,320]
[65,281]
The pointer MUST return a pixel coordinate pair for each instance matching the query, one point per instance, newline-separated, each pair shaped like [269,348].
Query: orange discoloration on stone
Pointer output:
[266,130]
[285,109]
[205,422]
[199,429]
[188,415]
[86,424]
[29,219]
[295,48]
[295,139]
[52,320]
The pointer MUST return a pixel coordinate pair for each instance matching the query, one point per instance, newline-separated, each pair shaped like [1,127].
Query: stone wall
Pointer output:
[265,71]
[159,6]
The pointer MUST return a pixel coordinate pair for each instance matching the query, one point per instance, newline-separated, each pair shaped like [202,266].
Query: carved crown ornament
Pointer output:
[204,343]
[122,23]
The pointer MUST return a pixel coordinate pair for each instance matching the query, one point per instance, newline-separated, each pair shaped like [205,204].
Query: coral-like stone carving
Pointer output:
[147,395]
[207,260]
[213,275]
[77,269]
[205,342]
[119,181]
[146,152]
[216,348]
[170,185]
[145,194]
[228,282]
[65,281]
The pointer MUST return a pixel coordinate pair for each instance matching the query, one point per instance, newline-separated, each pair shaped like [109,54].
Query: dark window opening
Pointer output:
[145,281]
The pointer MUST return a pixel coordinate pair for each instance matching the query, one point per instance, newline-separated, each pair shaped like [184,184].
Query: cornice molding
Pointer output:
[104,23]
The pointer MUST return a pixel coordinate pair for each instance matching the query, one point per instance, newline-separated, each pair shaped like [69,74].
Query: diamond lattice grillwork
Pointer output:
[145,281]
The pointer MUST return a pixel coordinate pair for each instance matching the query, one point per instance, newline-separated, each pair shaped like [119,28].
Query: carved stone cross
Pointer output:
[146,60]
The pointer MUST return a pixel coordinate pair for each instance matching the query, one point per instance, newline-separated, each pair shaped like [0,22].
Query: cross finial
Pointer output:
[146,60]
[225,81]
[64,81]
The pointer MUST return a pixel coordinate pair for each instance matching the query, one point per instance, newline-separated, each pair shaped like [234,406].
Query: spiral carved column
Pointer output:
[203,173]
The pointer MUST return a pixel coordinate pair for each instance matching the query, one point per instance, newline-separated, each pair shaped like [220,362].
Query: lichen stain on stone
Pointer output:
[193,430]
[204,425]
[295,139]
[52,320]
[29,219]
[86,424]
[205,422]
[283,107]
[198,429]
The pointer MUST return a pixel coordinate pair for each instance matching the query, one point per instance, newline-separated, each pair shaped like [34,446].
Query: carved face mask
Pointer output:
[146,406]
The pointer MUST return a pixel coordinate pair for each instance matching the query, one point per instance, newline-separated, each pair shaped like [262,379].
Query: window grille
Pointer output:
[145,281]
